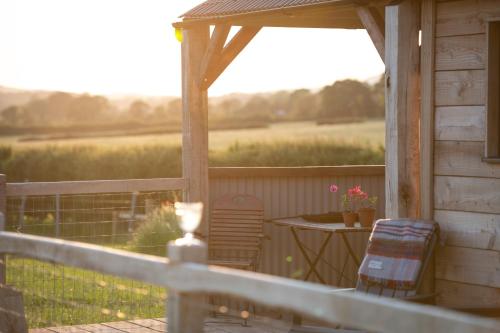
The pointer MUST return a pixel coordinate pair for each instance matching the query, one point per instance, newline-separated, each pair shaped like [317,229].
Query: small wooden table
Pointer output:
[299,223]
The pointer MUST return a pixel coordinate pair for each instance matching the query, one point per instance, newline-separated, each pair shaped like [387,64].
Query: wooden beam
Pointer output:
[233,48]
[214,49]
[375,26]
[195,120]
[427,108]
[95,186]
[3,222]
[402,109]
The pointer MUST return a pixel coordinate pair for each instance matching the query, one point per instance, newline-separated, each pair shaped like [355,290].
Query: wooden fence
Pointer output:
[285,191]
[316,301]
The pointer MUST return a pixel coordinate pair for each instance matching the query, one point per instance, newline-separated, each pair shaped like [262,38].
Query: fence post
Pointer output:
[3,211]
[186,311]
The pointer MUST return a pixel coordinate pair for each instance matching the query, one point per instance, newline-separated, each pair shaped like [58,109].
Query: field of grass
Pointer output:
[56,295]
[365,133]
[287,144]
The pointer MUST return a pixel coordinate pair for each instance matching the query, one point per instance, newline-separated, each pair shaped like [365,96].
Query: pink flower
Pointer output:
[334,188]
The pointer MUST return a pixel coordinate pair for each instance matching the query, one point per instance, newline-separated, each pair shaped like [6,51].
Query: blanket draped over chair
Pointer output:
[396,251]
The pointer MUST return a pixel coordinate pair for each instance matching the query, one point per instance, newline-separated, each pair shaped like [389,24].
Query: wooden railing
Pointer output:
[186,280]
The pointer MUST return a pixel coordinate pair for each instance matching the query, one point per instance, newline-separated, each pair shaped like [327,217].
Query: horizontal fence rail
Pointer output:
[320,302]
[95,186]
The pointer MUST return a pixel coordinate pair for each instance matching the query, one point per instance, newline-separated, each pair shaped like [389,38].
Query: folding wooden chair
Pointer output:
[412,295]
[236,233]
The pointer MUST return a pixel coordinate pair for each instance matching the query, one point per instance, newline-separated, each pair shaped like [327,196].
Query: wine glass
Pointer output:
[189,214]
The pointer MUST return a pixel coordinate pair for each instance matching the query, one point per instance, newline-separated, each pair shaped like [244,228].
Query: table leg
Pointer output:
[350,250]
[318,257]
[341,275]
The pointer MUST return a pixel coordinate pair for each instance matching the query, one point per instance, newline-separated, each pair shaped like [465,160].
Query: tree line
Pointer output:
[346,99]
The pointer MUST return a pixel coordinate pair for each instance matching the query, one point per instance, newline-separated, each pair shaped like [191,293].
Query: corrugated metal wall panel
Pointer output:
[292,196]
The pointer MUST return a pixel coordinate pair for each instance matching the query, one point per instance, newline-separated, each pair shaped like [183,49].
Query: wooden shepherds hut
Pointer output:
[442,61]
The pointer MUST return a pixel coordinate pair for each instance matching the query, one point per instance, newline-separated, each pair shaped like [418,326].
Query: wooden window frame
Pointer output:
[492,146]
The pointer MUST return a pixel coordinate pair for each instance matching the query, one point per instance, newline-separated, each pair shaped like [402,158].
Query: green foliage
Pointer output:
[347,98]
[297,153]
[56,295]
[61,111]
[57,163]
[159,228]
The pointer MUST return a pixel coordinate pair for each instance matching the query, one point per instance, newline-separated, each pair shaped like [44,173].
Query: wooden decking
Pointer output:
[212,325]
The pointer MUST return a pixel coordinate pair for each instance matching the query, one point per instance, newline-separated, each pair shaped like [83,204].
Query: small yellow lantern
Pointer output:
[178,34]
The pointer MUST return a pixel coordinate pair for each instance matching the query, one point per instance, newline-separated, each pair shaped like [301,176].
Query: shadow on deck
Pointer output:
[212,325]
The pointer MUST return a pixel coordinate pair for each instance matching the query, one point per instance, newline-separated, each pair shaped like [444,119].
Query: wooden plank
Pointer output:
[126,326]
[374,25]
[3,211]
[427,54]
[214,49]
[317,301]
[402,109]
[67,329]
[461,52]
[152,324]
[465,17]
[462,295]
[195,121]
[460,123]
[467,194]
[460,87]
[475,266]
[348,170]
[99,328]
[457,158]
[492,149]
[229,53]
[466,229]
[95,186]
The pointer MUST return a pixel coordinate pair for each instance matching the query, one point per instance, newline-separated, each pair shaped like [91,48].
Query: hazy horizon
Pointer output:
[91,46]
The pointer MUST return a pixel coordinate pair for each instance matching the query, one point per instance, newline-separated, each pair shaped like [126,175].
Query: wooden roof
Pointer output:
[280,13]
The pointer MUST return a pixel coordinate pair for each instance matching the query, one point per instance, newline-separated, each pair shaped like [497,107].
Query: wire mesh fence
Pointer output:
[56,295]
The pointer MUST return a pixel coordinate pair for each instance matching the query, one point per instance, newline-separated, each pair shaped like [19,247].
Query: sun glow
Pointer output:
[129,46]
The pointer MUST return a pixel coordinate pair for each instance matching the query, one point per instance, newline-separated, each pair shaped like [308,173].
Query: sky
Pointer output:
[118,47]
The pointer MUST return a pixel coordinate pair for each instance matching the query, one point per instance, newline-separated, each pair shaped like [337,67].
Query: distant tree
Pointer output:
[302,105]
[60,104]
[378,92]
[88,109]
[256,108]
[139,109]
[13,115]
[347,98]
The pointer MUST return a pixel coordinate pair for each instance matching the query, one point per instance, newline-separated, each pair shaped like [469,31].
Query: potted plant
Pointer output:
[349,199]
[367,211]
[349,215]
[354,198]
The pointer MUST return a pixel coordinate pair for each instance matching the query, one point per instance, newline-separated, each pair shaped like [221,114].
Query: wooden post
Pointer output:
[58,215]
[3,211]
[195,119]
[427,52]
[186,311]
[402,109]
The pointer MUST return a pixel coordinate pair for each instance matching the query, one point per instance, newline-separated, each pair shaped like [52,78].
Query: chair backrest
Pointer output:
[381,290]
[236,227]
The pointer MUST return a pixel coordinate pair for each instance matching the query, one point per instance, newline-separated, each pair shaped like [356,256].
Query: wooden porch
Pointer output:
[212,325]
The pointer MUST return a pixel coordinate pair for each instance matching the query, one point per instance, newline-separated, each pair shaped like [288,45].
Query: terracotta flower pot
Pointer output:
[366,216]
[350,218]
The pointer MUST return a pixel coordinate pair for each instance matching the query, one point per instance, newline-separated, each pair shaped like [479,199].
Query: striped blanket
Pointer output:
[395,252]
